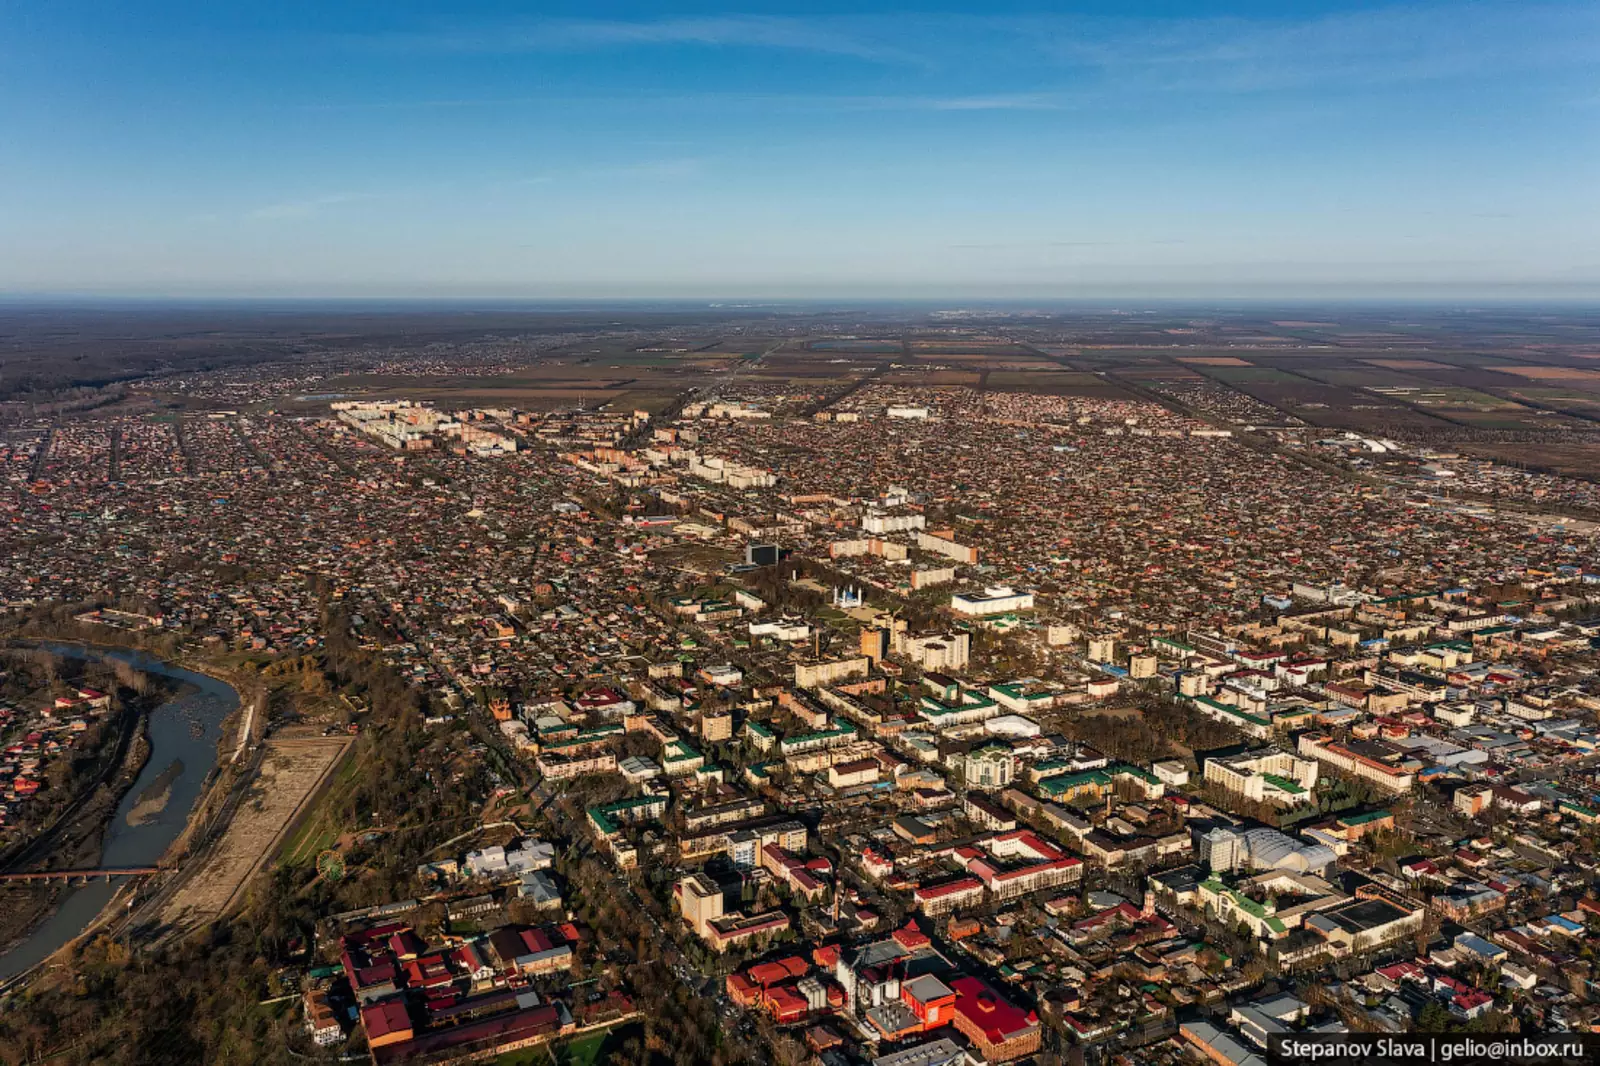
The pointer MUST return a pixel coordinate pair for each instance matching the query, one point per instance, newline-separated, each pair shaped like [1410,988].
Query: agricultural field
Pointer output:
[1577,404]
[1160,372]
[979,360]
[1251,374]
[933,377]
[980,353]
[1407,364]
[1055,383]
[1579,459]
[850,346]
[1359,377]
[1576,375]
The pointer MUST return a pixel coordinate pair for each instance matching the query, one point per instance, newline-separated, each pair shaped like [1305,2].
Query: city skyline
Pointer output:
[1345,151]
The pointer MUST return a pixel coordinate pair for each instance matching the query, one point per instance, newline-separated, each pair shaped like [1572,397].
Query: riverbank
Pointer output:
[184,737]
[239,721]
[77,841]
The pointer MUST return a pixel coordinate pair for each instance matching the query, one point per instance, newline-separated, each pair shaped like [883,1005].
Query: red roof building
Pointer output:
[787,1005]
[386,1023]
[930,999]
[999,1029]
[910,937]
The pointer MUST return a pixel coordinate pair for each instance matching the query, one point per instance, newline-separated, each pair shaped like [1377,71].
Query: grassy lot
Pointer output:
[320,827]
[585,1051]
[837,619]
[591,1049]
[648,401]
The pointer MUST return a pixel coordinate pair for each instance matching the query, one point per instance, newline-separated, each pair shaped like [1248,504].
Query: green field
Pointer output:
[838,619]
[1364,377]
[590,1049]
[1251,374]
[319,829]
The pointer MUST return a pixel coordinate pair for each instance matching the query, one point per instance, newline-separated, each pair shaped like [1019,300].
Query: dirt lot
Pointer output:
[290,773]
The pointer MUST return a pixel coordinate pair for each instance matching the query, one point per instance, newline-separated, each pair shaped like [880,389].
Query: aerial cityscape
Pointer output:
[579,534]
[884,686]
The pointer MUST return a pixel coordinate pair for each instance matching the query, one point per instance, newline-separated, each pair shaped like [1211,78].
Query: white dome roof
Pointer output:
[1270,849]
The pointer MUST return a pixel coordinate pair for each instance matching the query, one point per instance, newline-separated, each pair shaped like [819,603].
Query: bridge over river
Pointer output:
[107,872]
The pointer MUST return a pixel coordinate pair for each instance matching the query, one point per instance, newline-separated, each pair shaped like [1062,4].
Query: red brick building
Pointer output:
[999,1029]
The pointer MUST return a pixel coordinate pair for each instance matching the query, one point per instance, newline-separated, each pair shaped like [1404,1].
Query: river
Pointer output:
[183,734]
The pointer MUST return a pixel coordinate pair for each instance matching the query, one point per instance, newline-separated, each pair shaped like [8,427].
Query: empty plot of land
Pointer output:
[1214,360]
[291,771]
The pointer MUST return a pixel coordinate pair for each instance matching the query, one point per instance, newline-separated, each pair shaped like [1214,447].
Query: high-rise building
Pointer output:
[700,899]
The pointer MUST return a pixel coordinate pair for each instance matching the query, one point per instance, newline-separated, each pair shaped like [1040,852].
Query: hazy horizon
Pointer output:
[1118,302]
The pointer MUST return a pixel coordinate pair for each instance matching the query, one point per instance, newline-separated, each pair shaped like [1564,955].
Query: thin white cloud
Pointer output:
[1385,46]
[726,31]
[1051,63]
[1388,45]
[811,102]
[992,102]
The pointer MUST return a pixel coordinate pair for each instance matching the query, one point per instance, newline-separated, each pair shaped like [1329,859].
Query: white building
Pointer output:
[1360,760]
[1226,849]
[1269,776]
[878,522]
[997,599]
[490,862]
[990,767]
[939,652]
[785,629]
[1171,772]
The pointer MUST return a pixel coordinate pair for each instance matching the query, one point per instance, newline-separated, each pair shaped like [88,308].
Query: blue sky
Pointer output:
[481,149]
